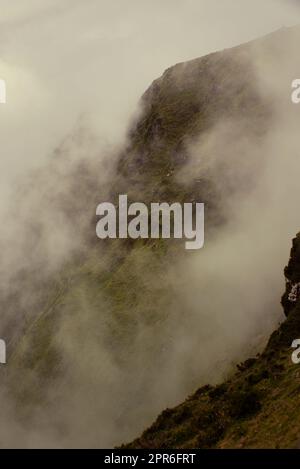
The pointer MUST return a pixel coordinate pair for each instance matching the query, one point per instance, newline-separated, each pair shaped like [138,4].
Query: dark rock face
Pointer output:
[292,275]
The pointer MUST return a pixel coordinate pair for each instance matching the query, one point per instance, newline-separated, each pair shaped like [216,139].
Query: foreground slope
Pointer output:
[258,407]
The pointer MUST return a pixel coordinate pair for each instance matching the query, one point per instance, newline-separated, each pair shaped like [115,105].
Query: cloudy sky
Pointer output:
[62,59]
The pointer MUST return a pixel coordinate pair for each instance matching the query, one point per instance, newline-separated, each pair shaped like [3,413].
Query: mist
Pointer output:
[74,73]
[66,58]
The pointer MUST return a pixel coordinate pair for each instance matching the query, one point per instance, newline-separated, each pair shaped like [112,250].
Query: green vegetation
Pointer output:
[258,407]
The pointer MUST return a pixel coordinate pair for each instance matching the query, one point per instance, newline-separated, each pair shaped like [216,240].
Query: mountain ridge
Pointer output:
[108,324]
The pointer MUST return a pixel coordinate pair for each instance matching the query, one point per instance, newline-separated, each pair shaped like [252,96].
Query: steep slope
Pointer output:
[187,102]
[258,407]
[107,323]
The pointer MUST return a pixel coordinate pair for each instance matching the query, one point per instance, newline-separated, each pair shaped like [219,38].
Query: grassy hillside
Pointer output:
[258,407]
[98,328]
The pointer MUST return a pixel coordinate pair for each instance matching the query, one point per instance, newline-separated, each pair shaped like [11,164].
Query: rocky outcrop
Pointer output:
[292,275]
